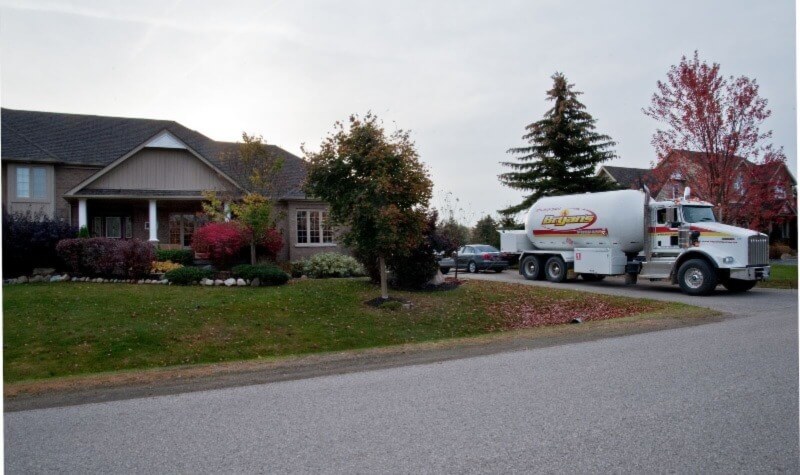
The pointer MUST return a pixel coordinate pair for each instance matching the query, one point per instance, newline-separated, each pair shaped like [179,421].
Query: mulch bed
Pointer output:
[526,313]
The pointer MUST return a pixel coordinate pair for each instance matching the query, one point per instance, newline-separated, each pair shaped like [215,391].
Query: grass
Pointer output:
[66,329]
[782,277]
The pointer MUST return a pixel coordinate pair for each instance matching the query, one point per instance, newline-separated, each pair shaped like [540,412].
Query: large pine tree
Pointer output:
[563,152]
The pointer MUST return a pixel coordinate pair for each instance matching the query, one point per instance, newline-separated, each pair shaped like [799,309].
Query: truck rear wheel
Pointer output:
[555,269]
[696,277]
[531,268]
[738,285]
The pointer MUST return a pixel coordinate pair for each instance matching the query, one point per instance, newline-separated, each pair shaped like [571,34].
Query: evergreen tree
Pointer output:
[563,152]
[485,232]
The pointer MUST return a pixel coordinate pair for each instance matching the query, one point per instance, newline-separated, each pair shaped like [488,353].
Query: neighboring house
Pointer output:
[784,225]
[141,178]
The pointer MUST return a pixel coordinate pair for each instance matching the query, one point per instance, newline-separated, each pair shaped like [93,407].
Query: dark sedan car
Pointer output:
[475,257]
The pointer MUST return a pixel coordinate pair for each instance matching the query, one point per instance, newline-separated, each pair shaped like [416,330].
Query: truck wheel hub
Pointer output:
[694,278]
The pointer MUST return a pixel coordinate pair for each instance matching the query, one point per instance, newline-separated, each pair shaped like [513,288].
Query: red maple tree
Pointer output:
[712,138]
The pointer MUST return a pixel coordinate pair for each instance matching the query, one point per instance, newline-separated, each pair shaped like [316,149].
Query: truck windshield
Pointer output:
[698,214]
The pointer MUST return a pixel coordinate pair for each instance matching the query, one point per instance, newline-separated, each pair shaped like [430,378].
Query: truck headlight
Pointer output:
[728,260]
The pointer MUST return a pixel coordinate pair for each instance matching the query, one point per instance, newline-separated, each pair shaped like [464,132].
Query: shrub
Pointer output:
[328,264]
[29,240]
[266,273]
[180,256]
[83,232]
[105,257]
[160,267]
[272,243]
[776,250]
[221,241]
[188,275]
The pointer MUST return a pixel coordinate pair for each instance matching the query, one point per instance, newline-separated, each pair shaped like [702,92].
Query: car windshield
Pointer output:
[486,249]
[698,214]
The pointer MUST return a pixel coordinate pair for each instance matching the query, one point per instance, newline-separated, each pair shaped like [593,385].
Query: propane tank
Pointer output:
[605,219]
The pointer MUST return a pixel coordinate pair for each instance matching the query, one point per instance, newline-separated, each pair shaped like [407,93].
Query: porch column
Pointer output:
[153,222]
[227,210]
[82,215]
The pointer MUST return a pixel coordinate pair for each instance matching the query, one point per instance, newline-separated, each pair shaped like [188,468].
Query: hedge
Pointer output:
[265,273]
[29,241]
[188,275]
[179,256]
[104,257]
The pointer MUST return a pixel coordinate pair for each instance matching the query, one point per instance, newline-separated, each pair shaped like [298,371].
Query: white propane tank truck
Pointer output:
[625,233]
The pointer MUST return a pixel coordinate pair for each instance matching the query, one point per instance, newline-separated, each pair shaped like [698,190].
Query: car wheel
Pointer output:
[531,268]
[555,269]
[738,285]
[471,267]
[444,270]
[592,277]
[696,277]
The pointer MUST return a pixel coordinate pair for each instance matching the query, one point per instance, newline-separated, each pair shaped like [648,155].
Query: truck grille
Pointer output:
[758,250]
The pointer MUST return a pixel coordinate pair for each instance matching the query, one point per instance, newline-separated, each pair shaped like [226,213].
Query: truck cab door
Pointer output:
[664,230]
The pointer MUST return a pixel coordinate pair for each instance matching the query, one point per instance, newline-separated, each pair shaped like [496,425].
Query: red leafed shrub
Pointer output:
[272,243]
[105,257]
[220,241]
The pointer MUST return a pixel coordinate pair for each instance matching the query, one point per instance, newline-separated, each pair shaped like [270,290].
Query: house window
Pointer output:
[97,226]
[32,182]
[314,227]
[113,227]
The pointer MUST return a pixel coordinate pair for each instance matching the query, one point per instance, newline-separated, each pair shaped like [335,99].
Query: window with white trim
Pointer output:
[314,227]
[32,182]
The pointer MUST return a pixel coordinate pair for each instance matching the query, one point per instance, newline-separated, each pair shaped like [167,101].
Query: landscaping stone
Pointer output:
[44,271]
[164,281]
[240,282]
[206,281]
[230,282]
[55,278]
[22,279]
[218,282]
[35,279]
[255,282]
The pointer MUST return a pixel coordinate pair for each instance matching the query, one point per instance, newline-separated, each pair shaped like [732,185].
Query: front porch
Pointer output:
[168,223]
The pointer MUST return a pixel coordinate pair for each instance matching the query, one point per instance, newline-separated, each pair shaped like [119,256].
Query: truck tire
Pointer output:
[696,277]
[531,268]
[555,269]
[472,267]
[738,286]
[592,277]
[445,270]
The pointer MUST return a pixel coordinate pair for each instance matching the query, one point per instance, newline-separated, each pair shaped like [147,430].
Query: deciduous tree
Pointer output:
[719,118]
[376,187]
[562,153]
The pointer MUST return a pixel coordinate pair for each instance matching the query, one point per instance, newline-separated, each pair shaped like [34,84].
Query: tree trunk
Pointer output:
[253,252]
[384,285]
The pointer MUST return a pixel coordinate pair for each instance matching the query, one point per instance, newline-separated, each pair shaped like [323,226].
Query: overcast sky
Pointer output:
[464,77]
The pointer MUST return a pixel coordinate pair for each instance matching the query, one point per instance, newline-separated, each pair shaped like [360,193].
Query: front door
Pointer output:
[181,229]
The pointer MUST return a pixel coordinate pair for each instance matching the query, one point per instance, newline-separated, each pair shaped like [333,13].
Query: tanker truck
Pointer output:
[625,233]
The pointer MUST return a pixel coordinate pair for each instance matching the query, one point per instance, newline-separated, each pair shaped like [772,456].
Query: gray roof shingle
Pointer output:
[99,140]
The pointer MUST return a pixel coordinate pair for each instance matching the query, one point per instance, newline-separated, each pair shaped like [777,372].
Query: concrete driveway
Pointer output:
[720,397]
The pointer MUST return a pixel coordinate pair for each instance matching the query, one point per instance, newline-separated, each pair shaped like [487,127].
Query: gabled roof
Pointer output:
[94,140]
[626,176]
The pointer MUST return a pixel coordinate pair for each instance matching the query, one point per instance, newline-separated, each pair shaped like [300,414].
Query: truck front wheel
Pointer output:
[738,285]
[696,277]
[555,269]
[531,268]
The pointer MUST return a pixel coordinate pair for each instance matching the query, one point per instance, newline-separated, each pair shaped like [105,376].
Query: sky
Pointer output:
[464,77]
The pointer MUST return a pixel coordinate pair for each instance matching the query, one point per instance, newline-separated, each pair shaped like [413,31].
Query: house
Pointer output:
[141,178]
[663,186]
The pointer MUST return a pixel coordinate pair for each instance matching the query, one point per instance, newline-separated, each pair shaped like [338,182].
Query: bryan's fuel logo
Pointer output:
[569,219]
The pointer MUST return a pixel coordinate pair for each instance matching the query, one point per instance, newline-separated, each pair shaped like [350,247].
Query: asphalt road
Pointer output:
[721,397]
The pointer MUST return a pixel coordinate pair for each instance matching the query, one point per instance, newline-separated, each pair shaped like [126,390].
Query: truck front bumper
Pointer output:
[750,273]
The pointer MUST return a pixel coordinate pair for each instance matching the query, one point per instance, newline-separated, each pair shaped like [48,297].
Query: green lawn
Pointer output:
[782,277]
[63,329]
